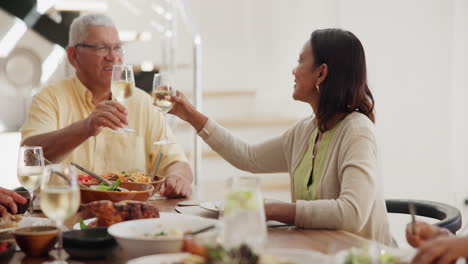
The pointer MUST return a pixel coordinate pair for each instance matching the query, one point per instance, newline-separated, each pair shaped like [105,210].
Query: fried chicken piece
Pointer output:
[108,213]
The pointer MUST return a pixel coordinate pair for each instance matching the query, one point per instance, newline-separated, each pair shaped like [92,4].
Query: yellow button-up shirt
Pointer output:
[65,102]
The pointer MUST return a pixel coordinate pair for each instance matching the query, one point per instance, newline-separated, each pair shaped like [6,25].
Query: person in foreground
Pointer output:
[73,119]
[8,200]
[332,156]
[435,244]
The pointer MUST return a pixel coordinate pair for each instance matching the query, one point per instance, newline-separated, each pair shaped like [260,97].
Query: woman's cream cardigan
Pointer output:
[349,191]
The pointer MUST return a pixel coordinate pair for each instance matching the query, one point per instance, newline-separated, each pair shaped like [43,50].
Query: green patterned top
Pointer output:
[302,172]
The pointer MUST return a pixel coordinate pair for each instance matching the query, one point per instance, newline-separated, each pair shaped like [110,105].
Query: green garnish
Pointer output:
[115,184]
[82,224]
[104,187]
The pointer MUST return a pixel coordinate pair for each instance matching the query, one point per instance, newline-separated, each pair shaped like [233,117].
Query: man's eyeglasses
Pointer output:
[102,50]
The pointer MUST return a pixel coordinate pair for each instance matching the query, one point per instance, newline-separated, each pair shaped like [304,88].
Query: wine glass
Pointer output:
[243,219]
[122,86]
[29,170]
[60,198]
[163,88]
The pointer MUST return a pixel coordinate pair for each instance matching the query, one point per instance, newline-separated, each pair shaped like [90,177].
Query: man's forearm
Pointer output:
[59,143]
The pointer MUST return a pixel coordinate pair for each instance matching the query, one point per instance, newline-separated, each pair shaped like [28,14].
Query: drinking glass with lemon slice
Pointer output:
[244,214]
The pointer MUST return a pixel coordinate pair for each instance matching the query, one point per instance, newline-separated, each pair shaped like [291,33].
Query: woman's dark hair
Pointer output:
[345,89]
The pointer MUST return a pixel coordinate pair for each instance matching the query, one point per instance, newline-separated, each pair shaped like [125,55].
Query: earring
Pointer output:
[317,86]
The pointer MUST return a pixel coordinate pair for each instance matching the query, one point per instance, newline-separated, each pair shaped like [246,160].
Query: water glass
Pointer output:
[243,219]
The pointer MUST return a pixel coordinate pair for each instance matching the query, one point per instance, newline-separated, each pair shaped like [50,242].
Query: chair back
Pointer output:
[449,217]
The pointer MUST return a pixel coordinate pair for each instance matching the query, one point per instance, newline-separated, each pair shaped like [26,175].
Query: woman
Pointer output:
[332,156]
[435,244]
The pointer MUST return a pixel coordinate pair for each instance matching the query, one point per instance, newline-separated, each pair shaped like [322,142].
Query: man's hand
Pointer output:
[442,250]
[109,114]
[424,232]
[176,186]
[178,181]
[8,199]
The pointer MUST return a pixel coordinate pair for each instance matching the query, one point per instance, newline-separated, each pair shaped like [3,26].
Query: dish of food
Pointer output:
[136,192]
[22,221]
[10,221]
[374,254]
[107,213]
[160,235]
[114,176]
[271,256]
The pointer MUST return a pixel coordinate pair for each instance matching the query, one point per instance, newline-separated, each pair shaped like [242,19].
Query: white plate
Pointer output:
[218,206]
[129,234]
[86,221]
[297,256]
[405,255]
[31,221]
[214,206]
[159,259]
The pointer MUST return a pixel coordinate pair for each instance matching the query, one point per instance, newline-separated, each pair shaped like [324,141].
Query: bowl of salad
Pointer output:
[117,191]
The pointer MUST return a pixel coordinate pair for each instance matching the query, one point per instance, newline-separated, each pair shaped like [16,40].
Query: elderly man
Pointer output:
[74,119]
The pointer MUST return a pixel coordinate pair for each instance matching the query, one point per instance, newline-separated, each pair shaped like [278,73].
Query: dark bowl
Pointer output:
[22,208]
[36,241]
[8,253]
[91,243]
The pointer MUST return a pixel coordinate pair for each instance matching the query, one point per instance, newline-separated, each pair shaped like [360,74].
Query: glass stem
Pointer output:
[60,241]
[165,125]
[123,104]
[31,203]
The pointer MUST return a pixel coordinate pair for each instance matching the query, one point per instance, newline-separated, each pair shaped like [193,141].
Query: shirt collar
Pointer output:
[83,91]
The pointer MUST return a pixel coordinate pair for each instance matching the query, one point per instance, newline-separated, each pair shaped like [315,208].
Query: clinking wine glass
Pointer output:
[122,87]
[162,90]
[29,170]
[60,198]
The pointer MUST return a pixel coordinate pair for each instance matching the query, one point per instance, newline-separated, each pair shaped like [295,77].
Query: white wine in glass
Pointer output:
[29,170]
[122,87]
[160,101]
[122,90]
[162,90]
[60,198]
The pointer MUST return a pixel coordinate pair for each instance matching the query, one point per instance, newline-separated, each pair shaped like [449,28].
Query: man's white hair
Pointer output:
[78,27]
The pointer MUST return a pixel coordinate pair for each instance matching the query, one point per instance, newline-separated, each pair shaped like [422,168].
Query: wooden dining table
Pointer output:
[324,241]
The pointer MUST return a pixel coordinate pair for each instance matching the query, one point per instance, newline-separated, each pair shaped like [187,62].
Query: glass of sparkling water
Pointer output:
[243,218]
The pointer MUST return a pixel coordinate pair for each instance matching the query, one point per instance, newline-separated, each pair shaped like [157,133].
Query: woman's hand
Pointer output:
[187,112]
[182,107]
[423,233]
[443,250]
